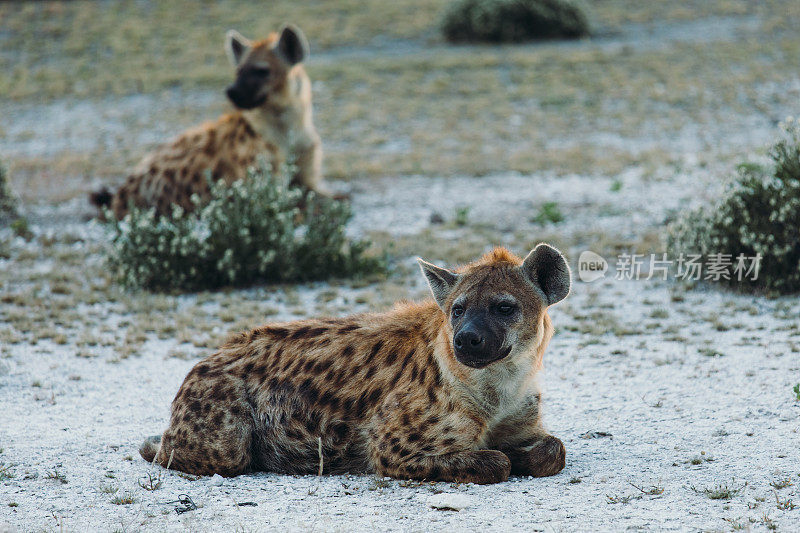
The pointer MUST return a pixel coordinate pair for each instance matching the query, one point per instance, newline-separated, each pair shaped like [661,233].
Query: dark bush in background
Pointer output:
[513,20]
[8,202]
[250,231]
[760,213]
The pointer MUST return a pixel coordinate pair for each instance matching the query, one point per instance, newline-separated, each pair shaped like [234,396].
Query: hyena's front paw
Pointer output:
[546,457]
[483,467]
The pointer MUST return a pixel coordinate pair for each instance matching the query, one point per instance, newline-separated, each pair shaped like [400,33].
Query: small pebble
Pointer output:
[450,502]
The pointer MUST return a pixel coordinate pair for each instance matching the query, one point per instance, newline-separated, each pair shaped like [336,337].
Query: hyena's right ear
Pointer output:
[236,46]
[440,280]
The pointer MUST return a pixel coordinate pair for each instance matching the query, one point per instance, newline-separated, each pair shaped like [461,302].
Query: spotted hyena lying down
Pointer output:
[440,390]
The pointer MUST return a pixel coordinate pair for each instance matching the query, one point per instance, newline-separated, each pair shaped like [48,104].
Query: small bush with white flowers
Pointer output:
[512,21]
[758,215]
[248,232]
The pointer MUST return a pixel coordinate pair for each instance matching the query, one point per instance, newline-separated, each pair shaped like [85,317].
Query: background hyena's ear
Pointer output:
[546,268]
[236,46]
[440,280]
[292,45]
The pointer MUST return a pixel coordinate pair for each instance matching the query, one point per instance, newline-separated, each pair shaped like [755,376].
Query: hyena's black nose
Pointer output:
[231,93]
[468,340]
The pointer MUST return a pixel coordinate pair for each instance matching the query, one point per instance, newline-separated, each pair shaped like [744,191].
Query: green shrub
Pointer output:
[549,212]
[513,20]
[759,214]
[8,202]
[250,231]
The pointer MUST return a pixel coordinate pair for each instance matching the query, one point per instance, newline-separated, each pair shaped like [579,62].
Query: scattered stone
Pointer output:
[450,502]
[595,435]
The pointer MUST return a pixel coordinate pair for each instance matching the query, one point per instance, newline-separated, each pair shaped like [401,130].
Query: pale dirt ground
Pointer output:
[691,386]
[628,360]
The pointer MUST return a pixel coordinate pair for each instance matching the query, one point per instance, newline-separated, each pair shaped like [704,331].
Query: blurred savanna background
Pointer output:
[597,131]
[88,87]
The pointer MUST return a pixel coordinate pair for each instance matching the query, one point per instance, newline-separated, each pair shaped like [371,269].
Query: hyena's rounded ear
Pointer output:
[236,46]
[440,280]
[292,45]
[546,268]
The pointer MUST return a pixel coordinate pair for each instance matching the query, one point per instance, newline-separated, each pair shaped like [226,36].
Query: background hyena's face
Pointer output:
[496,308]
[263,67]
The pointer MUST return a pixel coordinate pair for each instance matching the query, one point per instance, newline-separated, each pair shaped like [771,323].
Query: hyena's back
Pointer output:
[222,149]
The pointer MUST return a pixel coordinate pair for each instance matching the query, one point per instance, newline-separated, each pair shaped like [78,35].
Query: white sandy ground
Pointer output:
[663,402]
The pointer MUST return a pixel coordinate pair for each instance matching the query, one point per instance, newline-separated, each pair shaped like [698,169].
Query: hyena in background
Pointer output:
[272,97]
[441,390]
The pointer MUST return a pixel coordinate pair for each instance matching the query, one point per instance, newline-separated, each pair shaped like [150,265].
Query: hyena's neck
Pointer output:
[279,126]
[284,120]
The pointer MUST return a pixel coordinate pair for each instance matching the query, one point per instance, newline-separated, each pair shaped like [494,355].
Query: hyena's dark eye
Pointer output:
[457,311]
[505,309]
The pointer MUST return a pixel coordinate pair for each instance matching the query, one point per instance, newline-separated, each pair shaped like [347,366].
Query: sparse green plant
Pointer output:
[151,481]
[56,476]
[8,202]
[711,352]
[5,471]
[784,505]
[21,228]
[768,522]
[796,390]
[737,524]
[462,215]
[758,216]
[126,498]
[247,232]
[109,489]
[616,186]
[700,459]
[721,491]
[652,490]
[513,20]
[781,483]
[618,498]
[549,212]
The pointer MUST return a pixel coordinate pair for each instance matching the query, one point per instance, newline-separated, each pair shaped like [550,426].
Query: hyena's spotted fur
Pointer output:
[388,393]
[272,97]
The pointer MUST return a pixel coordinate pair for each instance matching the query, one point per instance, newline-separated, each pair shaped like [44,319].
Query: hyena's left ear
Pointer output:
[236,46]
[546,268]
[440,280]
[292,45]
